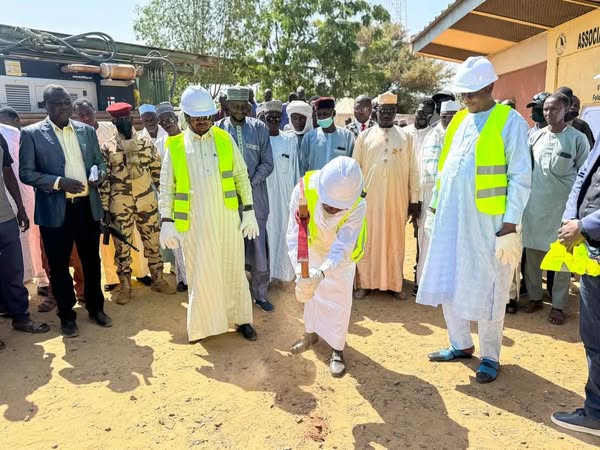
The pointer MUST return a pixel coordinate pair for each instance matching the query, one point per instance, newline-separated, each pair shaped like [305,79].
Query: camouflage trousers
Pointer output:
[141,213]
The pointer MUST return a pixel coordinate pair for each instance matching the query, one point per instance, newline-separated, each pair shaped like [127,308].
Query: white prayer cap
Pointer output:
[238,93]
[146,108]
[164,107]
[450,106]
[474,74]
[273,105]
[340,183]
[302,108]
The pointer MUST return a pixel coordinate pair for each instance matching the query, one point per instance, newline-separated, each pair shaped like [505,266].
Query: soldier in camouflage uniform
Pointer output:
[128,198]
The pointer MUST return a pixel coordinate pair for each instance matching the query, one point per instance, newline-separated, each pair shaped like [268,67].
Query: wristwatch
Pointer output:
[248,208]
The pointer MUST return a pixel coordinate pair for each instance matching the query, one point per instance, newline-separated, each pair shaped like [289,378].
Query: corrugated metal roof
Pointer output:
[453,35]
[488,26]
[550,13]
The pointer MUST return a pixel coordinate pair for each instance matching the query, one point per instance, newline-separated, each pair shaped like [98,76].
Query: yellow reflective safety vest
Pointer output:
[558,259]
[312,198]
[491,181]
[182,200]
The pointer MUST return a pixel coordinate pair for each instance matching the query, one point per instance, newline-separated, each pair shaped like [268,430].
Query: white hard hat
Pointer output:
[340,182]
[197,102]
[475,73]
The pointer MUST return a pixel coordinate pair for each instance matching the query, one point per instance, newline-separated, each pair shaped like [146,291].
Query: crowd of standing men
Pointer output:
[219,194]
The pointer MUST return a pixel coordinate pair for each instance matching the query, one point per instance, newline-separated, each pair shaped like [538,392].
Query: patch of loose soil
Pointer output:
[141,385]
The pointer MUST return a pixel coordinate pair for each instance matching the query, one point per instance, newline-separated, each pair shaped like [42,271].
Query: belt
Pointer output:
[74,200]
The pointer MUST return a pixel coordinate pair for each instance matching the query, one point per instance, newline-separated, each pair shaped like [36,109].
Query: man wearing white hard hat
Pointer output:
[430,156]
[203,174]
[337,234]
[482,188]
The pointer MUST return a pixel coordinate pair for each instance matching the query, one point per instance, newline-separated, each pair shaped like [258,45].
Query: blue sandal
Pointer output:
[448,354]
[487,371]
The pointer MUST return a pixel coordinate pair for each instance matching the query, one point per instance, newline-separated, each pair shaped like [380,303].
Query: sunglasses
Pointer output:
[272,119]
[470,94]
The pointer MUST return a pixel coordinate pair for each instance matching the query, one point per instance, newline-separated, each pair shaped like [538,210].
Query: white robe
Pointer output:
[328,312]
[30,240]
[430,156]
[461,268]
[418,139]
[213,247]
[176,255]
[280,185]
[160,134]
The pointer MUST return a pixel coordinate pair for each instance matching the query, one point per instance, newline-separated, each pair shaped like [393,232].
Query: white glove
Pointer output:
[428,224]
[169,236]
[509,249]
[249,226]
[306,287]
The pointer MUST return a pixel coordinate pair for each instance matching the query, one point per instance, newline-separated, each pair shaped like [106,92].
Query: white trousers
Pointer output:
[490,334]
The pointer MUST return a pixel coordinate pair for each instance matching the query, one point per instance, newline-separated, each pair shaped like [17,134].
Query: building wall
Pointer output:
[521,85]
[574,57]
[528,53]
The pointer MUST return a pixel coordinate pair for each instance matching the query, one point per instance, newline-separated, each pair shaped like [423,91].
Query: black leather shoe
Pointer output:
[42,291]
[101,319]
[110,287]
[146,281]
[182,287]
[247,331]
[512,307]
[69,329]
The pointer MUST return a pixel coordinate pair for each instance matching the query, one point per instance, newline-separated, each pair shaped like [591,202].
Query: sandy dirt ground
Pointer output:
[141,385]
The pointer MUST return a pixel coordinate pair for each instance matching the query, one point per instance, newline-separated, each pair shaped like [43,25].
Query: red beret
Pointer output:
[120,109]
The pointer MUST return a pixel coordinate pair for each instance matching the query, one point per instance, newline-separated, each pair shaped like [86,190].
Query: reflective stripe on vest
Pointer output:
[312,198]
[175,145]
[491,181]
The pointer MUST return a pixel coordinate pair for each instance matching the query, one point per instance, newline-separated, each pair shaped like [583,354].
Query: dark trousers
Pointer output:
[257,262]
[13,295]
[79,227]
[589,328]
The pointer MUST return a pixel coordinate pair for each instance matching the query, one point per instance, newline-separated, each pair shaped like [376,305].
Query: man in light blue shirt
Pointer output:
[323,144]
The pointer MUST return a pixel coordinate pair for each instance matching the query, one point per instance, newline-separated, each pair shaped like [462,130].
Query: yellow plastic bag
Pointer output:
[558,259]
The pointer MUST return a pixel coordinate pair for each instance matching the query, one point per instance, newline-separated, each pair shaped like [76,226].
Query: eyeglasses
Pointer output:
[273,119]
[202,118]
[361,108]
[168,120]
[387,110]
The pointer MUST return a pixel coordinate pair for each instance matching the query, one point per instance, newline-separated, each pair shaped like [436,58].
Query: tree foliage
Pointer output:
[226,29]
[386,63]
[331,47]
[312,43]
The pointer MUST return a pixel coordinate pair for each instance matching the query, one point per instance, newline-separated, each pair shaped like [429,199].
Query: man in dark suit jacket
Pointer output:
[363,107]
[57,158]
[581,223]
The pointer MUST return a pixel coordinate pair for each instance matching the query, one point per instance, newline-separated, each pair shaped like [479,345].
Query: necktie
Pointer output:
[363,127]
